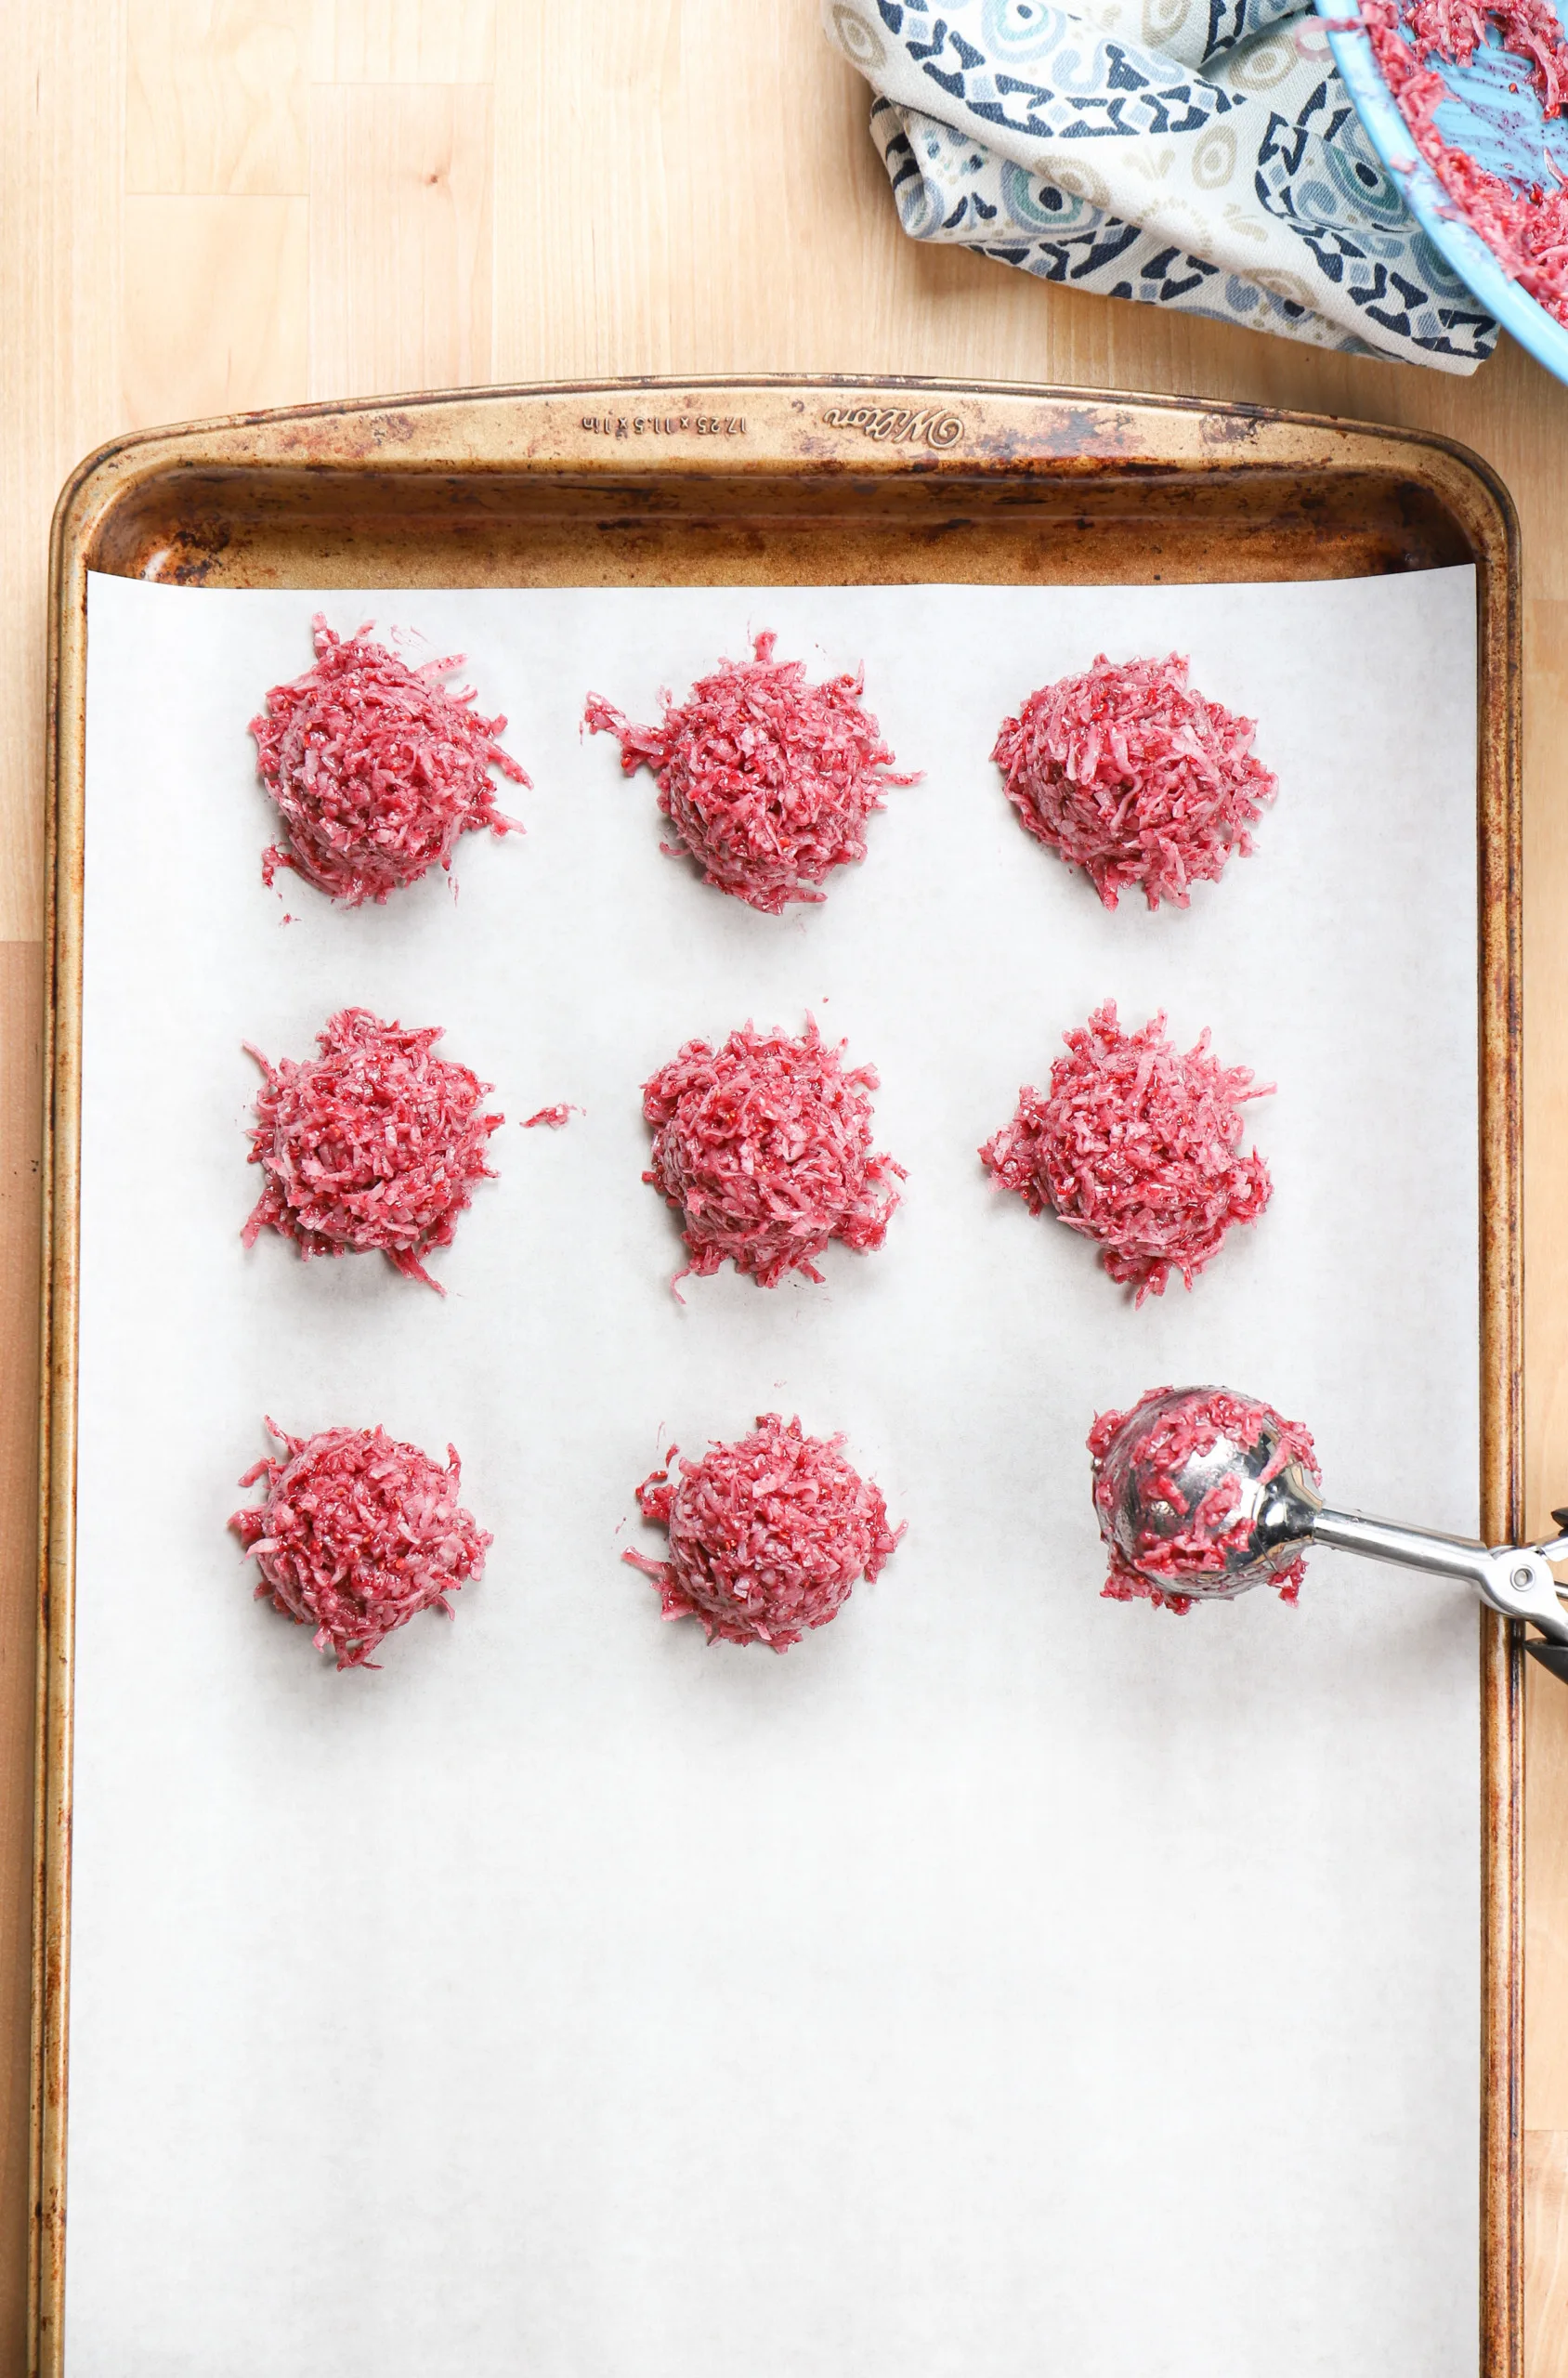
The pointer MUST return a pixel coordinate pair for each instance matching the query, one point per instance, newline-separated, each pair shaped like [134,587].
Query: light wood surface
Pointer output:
[207,205]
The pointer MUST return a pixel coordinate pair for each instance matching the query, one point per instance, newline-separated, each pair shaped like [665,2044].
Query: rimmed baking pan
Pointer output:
[796,484]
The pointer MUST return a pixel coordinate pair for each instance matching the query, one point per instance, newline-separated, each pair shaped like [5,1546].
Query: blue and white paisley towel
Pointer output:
[1195,154]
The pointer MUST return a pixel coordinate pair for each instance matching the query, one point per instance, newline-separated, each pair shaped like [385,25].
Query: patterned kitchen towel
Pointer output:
[1195,154]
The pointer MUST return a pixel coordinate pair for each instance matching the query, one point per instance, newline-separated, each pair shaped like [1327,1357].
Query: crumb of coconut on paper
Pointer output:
[767,1536]
[1136,1144]
[763,1145]
[376,769]
[549,1119]
[767,780]
[1196,1550]
[1132,775]
[1525,229]
[375,1144]
[356,1535]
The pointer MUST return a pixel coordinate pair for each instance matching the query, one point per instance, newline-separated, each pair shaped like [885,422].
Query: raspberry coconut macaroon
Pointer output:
[766,780]
[1132,775]
[768,1536]
[1136,1144]
[764,1148]
[376,769]
[356,1535]
[375,1144]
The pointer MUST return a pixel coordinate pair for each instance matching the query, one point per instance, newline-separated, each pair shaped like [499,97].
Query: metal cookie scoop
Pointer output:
[1288,1514]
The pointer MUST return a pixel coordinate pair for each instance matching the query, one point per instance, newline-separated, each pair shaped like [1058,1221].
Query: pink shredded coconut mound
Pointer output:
[374,1144]
[376,769]
[767,1536]
[1527,229]
[1137,1144]
[1196,1551]
[767,780]
[356,1534]
[1128,774]
[1456,30]
[553,1118]
[764,1147]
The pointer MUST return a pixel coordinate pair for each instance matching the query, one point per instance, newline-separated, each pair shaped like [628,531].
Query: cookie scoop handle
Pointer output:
[1516,1580]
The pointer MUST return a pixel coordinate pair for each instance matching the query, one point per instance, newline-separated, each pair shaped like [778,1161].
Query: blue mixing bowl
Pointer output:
[1502,129]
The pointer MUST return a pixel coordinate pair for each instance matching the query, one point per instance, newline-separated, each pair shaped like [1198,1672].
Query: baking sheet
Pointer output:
[1003,1978]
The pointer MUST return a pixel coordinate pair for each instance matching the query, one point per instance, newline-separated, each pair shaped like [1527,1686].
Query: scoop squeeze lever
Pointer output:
[1273,1518]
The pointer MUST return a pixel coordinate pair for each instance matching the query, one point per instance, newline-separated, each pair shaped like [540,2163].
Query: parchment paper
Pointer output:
[1005,1980]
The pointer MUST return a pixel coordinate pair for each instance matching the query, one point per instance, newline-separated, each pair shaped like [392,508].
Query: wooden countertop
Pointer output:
[207,205]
